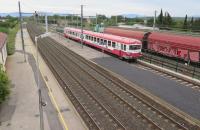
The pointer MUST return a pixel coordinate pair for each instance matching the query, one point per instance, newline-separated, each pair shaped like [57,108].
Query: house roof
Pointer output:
[3,38]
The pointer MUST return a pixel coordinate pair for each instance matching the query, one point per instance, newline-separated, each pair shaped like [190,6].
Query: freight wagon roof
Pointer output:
[109,36]
[3,38]
[125,32]
[184,42]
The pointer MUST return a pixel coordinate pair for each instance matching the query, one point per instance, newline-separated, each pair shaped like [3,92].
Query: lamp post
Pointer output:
[41,103]
[154,22]
[82,26]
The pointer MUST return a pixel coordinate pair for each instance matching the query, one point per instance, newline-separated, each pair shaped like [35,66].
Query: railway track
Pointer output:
[102,100]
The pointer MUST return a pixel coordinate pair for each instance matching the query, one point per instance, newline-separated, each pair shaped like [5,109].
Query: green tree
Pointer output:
[191,22]
[169,19]
[101,18]
[160,18]
[4,86]
[185,24]
[196,25]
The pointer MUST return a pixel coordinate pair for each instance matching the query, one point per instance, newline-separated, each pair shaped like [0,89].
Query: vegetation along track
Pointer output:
[103,101]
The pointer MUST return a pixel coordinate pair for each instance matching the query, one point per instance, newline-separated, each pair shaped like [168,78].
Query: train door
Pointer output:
[109,44]
[121,49]
[145,41]
[105,44]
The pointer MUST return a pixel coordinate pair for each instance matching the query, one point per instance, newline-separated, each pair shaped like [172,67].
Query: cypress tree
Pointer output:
[160,18]
[191,22]
[169,19]
[185,24]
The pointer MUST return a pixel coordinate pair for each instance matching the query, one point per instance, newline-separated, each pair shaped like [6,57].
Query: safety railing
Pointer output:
[177,66]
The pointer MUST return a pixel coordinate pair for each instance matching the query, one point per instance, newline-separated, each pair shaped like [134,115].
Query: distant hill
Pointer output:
[16,14]
[132,15]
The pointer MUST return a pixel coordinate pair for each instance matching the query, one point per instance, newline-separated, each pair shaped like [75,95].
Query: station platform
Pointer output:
[21,110]
[178,94]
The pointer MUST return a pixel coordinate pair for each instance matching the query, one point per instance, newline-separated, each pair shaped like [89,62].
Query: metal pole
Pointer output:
[96,19]
[72,19]
[82,25]
[154,23]
[39,89]
[77,21]
[46,22]
[65,21]
[116,19]
[22,35]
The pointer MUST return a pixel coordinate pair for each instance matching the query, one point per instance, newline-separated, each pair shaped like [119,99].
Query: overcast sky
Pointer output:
[108,7]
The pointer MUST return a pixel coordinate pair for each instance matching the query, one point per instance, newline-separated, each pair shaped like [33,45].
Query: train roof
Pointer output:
[108,36]
[185,42]
[175,40]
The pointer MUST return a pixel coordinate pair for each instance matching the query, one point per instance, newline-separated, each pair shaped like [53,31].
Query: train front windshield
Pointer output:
[134,47]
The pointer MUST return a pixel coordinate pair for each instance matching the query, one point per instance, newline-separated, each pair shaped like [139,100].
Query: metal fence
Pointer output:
[177,66]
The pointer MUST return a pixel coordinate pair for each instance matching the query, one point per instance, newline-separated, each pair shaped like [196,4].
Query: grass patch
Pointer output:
[4,85]
[11,40]
[4,30]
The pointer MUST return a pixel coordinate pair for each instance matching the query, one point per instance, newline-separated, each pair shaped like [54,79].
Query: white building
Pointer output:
[3,50]
[138,26]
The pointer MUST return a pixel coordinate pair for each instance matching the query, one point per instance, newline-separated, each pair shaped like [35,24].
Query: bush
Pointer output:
[11,40]
[4,86]
[4,30]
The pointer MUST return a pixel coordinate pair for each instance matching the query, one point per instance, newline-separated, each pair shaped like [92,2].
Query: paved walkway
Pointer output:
[21,112]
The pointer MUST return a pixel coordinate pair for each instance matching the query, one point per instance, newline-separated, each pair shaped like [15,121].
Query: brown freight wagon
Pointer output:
[172,45]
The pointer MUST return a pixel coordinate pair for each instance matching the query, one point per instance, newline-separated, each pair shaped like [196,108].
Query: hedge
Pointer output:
[4,86]
[11,40]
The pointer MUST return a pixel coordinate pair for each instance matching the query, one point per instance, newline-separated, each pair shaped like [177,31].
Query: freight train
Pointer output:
[125,48]
[186,48]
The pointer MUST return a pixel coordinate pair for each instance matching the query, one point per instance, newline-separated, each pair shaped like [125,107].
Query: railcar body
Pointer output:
[126,48]
[172,45]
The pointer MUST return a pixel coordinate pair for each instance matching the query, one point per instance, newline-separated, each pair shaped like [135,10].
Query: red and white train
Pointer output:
[125,48]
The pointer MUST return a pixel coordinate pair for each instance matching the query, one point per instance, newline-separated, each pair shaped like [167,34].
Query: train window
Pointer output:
[125,47]
[113,44]
[95,39]
[101,41]
[121,46]
[92,38]
[134,47]
[86,36]
[109,43]
[105,42]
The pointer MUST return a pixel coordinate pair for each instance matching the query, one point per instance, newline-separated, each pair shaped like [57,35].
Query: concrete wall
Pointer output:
[3,55]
